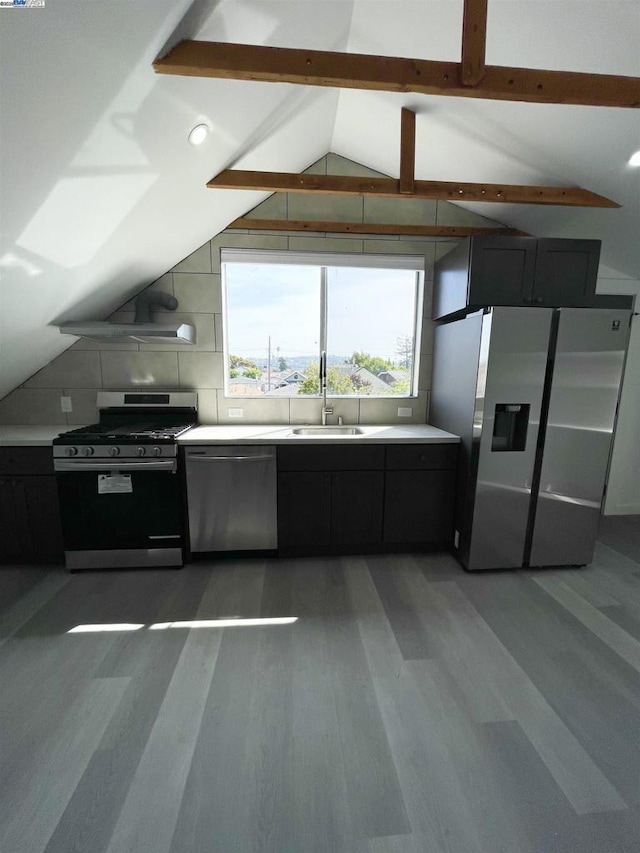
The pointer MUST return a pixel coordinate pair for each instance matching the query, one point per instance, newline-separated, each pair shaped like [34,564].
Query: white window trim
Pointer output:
[324,260]
[319,259]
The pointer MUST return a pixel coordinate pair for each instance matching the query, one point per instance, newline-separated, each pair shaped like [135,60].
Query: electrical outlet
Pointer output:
[405,411]
[456,539]
[65,404]
[235,413]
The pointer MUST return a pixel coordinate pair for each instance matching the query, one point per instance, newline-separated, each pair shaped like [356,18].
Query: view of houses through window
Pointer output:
[281,310]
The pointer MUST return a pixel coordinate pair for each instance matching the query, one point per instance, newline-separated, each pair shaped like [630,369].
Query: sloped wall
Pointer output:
[88,367]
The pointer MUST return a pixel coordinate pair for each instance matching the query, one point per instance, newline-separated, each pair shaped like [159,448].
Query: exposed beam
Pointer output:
[474,38]
[407,151]
[237,179]
[394,74]
[325,225]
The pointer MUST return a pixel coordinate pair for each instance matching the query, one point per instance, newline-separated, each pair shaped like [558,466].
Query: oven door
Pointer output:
[120,515]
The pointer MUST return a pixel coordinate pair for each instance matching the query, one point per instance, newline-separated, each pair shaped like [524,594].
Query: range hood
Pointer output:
[143,330]
[144,333]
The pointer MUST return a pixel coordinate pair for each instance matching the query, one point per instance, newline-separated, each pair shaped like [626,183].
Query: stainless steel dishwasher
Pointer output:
[232,498]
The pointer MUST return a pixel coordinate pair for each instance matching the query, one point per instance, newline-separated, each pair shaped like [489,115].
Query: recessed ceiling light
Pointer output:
[634,160]
[198,134]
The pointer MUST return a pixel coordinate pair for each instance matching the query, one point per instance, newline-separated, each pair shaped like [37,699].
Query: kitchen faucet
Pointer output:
[326,410]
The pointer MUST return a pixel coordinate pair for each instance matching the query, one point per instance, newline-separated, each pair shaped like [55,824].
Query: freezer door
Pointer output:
[511,376]
[589,360]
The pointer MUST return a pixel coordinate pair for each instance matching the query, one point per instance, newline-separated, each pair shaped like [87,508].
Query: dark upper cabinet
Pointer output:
[566,273]
[501,272]
[515,271]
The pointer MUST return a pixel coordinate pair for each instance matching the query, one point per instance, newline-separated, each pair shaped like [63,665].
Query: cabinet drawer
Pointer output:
[402,457]
[26,460]
[322,457]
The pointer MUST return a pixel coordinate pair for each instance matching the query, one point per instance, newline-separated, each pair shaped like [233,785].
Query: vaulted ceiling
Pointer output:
[101,192]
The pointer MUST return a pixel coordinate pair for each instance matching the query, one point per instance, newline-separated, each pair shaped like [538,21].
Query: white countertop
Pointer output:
[36,435]
[42,435]
[282,434]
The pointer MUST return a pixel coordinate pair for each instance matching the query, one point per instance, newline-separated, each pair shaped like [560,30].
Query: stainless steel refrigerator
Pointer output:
[533,394]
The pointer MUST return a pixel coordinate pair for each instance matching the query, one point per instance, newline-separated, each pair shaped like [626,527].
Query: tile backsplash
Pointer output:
[88,367]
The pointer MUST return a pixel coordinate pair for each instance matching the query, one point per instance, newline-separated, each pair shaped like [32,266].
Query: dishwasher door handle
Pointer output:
[196,458]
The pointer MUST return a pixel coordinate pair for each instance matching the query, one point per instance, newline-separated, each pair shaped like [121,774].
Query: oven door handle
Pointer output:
[91,465]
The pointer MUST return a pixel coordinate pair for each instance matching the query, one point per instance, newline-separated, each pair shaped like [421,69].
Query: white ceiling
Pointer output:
[101,192]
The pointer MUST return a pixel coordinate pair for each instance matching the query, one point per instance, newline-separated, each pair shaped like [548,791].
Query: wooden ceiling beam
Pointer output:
[407,151]
[474,39]
[237,179]
[326,225]
[394,74]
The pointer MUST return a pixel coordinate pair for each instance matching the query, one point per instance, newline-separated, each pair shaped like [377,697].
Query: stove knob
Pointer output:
[87,451]
[140,451]
[71,451]
[113,451]
[157,451]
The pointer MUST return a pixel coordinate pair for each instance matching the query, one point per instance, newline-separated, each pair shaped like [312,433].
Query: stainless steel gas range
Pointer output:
[120,493]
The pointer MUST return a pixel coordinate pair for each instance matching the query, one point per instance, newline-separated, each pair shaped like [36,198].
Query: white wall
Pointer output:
[623,489]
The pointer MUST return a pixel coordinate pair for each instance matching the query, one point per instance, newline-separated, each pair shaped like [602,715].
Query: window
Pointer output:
[282,309]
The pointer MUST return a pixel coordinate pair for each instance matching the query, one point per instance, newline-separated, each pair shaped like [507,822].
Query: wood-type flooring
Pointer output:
[410,707]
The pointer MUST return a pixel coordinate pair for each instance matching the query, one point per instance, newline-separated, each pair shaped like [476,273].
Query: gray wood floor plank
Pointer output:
[32,805]
[214,812]
[571,766]
[629,622]
[431,791]
[374,794]
[412,640]
[149,814]
[39,591]
[598,623]
[584,581]
[622,533]
[321,814]
[455,642]
[411,708]
[270,745]
[492,819]
[90,817]
[588,687]
[378,639]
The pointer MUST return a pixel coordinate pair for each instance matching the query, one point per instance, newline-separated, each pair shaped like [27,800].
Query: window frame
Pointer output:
[323,261]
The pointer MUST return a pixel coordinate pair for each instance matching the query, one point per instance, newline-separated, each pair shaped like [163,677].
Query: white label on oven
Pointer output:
[114,484]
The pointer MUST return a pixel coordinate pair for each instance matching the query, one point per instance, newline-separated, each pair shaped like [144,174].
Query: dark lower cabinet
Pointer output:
[319,509]
[372,498]
[304,509]
[11,536]
[356,507]
[30,529]
[418,506]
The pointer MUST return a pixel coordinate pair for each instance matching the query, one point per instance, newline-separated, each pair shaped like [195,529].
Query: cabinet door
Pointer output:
[356,507]
[11,532]
[39,497]
[418,506]
[502,270]
[566,273]
[304,509]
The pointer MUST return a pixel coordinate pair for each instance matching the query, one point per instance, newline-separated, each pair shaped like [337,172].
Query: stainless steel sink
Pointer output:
[327,430]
